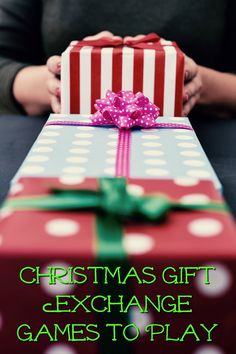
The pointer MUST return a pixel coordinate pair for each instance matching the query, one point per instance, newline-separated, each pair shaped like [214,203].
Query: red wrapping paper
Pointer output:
[44,238]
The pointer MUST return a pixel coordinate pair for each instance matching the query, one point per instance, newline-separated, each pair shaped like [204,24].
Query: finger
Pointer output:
[130,38]
[190,69]
[139,36]
[190,104]
[191,88]
[107,34]
[54,64]
[55,104]
[116,37]
[54,87]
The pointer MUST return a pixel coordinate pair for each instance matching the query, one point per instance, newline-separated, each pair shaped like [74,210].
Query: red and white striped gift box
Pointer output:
[89,71]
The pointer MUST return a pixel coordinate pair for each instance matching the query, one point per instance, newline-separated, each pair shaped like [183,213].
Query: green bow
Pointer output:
[112,198]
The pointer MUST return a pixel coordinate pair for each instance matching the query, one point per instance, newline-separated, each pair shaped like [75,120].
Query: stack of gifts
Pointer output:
[115,236]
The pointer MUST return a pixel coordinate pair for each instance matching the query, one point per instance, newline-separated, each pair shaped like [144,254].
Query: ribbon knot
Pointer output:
[115,200]
[150,41]
[112,199]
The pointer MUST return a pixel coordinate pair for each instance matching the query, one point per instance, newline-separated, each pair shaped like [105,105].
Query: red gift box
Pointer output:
[31,238]
[152,65]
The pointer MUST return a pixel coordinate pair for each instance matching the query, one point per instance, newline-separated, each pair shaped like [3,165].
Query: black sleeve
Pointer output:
[229,45]
[20,45]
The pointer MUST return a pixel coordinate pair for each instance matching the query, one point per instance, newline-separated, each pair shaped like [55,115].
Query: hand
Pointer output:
[192,85]
[54,67]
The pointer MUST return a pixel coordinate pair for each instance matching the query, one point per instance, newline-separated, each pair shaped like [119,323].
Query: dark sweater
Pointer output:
[33,30]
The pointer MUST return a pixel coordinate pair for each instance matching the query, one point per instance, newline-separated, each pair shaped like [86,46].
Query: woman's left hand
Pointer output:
[192,85]
[192,82]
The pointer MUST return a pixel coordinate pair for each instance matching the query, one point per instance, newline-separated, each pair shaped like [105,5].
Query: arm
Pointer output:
[218,88]
[30,89]
[212,91]
[20,54]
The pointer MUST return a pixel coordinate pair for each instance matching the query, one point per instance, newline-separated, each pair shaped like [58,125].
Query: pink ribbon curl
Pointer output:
[125,110]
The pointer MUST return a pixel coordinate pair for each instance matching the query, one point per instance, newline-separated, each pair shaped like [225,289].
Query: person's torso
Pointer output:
[197,26]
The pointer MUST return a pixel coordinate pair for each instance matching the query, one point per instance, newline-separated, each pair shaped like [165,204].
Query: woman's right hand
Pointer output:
[192,85]
[54,68]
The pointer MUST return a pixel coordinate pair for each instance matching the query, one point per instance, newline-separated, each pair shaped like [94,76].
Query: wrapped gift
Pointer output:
[106,223]
[151,65]
[67,149]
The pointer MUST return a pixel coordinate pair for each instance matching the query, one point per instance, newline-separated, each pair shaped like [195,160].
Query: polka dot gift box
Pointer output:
[60,231]
[151,65]
[71,152]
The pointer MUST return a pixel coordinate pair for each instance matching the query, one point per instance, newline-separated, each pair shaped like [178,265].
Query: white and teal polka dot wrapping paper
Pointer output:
[72,152]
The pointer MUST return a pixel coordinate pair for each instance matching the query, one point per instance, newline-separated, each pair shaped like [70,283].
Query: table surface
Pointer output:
[218,138]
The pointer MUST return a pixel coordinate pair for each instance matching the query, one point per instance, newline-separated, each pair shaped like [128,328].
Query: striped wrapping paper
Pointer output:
[88,72]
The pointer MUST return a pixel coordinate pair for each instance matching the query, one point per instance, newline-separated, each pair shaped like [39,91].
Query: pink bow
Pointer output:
[125,110]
